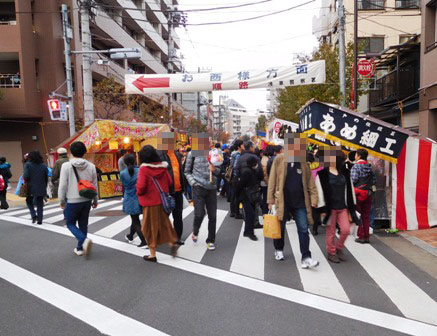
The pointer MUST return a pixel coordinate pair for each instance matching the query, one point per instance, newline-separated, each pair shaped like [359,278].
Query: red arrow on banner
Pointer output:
[142,83]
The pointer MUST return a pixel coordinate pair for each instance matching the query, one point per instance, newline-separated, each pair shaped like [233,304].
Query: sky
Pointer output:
[258,44]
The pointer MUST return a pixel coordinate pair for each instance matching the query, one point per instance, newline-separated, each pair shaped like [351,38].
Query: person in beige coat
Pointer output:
[292,190]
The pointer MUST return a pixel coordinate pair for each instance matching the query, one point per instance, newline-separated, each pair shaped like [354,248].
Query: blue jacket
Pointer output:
[36,175]
[131,206]
[5,171]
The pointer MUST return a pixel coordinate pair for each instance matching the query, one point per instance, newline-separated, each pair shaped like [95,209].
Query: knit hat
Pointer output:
[62,150]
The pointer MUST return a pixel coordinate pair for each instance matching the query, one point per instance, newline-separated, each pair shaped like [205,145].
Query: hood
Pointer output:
[156,169]
[5,165]
[80,164]
[63,156]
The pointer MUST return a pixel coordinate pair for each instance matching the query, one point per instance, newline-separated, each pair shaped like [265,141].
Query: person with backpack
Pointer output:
[5,175]
[153,183]
[338,195]
[131,206]
[364,182]
[235,202]
[77,193]
[202,176]
[36,176]
[250,194]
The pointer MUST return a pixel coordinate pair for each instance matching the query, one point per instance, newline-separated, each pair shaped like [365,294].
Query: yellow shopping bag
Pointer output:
[272,226]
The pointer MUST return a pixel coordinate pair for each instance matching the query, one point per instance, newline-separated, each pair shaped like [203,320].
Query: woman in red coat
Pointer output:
[156,226]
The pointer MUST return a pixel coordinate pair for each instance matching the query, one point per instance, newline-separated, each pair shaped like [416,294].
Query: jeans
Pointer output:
[249,217]
[300,216]
[135,227]
[205,198]
[364,208]
[342,218]
[178,224]
[78,212]
[37,201]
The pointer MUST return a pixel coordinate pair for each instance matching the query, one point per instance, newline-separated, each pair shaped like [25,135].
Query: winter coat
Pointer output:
[361,169]
[327,193]
[264,162]
[148,193]
[242,162]
[198,173]
[68,190]
[131,206]
[36,177]
[249,177]
[164,157]
[5,171]
[56,173]
[275,191]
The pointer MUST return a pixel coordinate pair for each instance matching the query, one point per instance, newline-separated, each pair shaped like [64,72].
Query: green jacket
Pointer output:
[56,173]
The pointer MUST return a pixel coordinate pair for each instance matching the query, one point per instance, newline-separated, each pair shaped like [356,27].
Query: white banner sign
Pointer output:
[277,77]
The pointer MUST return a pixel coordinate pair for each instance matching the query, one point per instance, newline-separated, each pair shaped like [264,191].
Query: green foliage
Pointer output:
[291,99]
[262,123]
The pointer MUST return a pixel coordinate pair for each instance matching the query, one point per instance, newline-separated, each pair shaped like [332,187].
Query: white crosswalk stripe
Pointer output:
[249,259]
[26,210]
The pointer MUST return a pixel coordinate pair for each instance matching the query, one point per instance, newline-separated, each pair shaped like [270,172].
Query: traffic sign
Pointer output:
[366,68]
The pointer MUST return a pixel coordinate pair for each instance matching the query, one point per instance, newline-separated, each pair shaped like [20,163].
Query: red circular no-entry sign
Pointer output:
[366,68]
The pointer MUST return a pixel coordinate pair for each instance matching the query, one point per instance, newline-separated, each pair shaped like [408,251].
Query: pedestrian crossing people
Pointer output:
[293,192]
[339,198]
[153,178]
[202,176]
[5,175]
[56,173]
[235,203]
[77,207]
[131,206]
[36,176]
[167,153]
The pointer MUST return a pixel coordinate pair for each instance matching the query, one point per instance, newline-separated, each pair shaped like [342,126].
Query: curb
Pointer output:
[420,243]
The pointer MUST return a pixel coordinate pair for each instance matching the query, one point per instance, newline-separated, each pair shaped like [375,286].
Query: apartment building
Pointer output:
[382,24]
[428,74]
[32,62]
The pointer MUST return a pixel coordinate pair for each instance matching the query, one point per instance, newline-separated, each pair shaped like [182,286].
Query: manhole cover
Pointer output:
[109,213]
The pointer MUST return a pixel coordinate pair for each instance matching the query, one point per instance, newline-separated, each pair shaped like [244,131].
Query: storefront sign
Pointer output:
[113,145]
[352,130]
[366,68]
[243,79]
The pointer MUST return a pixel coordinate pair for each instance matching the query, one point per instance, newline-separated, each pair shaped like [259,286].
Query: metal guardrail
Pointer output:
[10,81]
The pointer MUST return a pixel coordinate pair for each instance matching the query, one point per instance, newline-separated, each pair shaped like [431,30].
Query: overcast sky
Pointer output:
[261,43]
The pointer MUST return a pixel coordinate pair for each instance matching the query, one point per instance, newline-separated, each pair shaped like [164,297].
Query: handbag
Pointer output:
[168,202]
[272,226]
[24,190]
[185,202]
[86,188]
[253,194]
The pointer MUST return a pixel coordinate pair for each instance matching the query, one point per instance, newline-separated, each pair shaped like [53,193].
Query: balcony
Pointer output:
[387,86]
[10,81]
[8,16]
[407,4]
[371,4]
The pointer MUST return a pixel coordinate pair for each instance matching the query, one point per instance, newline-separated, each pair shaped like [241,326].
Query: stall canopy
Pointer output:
[98,136]
[278,127]
[413,158]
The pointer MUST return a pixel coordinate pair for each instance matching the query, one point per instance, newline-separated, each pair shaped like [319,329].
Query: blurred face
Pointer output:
[201,144]
[166,141]
[329,156]
[295,147]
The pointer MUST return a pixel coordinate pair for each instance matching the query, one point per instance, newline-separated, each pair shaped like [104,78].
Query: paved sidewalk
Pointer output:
[426,239]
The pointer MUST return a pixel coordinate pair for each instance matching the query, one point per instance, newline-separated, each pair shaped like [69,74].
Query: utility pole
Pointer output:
[169,62]
[342,52]
[355,71]
[198,99]
[88,103]
[69,76]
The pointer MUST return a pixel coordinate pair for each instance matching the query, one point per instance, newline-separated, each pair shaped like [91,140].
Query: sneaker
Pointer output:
[309,263]
[87,246]
[333,258]
[78,252]
[130,241]
[194,238]
[250,236]
[210,246]
[279,255]
[143,246]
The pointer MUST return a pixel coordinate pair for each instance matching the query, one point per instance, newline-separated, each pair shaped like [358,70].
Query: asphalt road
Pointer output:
[239,289]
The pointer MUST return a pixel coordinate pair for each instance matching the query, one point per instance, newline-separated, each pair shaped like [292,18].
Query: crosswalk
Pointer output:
[379,275]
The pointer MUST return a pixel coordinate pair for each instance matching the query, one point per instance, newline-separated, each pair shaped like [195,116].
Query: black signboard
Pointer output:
[327,124]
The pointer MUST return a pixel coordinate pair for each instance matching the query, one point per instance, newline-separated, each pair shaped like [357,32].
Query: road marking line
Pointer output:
[56,219]
[412,301]
[320,280]
[347,310]
[26,210]
[104,319]
[185,213]
[195,251]
[115,228]
[249,256]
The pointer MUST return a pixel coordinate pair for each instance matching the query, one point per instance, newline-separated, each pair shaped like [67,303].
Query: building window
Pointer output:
[404,38]
[370,44]
[430,25]
[371,4]
[405,4]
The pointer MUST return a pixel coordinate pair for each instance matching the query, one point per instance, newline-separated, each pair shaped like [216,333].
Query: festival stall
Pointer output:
[405,163]
[104,139]
[277,128]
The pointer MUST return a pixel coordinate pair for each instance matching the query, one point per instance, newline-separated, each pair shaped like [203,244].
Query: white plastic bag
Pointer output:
[185,202]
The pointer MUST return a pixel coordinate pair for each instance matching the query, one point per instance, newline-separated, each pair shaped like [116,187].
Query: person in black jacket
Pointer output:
[5,172]
[248,188]
[167,153]
[339,199]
